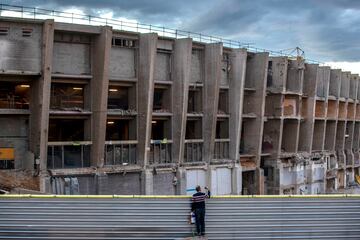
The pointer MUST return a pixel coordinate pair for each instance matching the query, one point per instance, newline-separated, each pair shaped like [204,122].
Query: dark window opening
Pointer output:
[194,101]
[162,100]
[4,30]
[120,42]
[160,129]
[193,129]
[26,32]
[67,96]
[222,129]
[118,98]
[66,130]
[14,95]
[7,164]
[119,130]
[223,102]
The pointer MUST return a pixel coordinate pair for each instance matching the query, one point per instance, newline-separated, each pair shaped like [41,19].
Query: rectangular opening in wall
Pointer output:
[160,147]
[4,30]
[330,135]
[290,136]
[332,109]
[271,136]
[195,101]
[249,140]
[249,107]
[342,110]
[193,129]
[120,129]
[65,146]
[14,95]
[222,129]
[248,183]
[319,135]
[349,134]
[162,100]
[223,105]
[122,98]
[63,130]
[123,42]
[291,106]
[26,32]
[66,96]
[340,135]
[320,109]
[351,111]
[356,138]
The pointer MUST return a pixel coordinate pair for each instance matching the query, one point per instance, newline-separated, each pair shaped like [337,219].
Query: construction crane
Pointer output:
[300,54]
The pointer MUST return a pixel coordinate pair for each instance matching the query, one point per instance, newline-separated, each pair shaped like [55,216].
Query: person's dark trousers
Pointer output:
[200,220]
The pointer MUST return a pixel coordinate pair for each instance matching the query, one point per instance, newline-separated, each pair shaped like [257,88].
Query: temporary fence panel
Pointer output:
[151,217]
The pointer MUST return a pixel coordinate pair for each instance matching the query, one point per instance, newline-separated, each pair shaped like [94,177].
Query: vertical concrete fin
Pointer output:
[147,54]
[236,94]
[99,92]
[181,77]
[308,107]
[39,118]
[213,58]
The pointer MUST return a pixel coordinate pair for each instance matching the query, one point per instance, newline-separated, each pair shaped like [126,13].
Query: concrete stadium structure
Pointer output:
[94,110]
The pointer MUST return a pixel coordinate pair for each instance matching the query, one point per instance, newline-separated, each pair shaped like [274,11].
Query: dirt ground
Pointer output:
[18,179]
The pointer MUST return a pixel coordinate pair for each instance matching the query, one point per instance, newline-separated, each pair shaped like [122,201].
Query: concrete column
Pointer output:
[180,90]
[236,180]
[236,94]
[181,183]
[213,63]
[147,54]
[308,108]
[39,118]
[99,92]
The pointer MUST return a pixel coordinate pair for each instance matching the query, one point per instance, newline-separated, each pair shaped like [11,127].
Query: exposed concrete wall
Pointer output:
[122,63]
[164,184]
[18,52]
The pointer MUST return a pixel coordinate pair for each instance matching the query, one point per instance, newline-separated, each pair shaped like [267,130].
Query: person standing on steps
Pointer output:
[198,207]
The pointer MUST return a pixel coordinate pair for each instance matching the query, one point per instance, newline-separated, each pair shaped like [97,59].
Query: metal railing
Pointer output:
[221,149]
[7,10]
[193,150]
[68,154]
[120,152]
[160,152]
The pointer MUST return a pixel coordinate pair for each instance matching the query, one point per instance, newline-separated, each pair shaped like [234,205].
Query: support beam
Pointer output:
[147,54]
[236,94]
[99,92]
[39,118]
[181,77]
[213,58]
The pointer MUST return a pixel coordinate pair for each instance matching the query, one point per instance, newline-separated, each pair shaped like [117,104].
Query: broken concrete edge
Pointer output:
[177,196]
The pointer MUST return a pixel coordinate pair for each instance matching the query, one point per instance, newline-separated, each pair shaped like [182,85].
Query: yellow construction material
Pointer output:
[357,177]
[7,154]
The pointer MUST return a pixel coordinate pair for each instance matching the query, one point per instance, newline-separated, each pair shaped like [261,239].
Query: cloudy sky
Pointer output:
[327,30]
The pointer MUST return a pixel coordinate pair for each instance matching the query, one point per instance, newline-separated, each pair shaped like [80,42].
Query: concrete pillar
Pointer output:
[147,54]
[213,63]
[147,185]
[99,92]
[259,177]
[308,108]
[180,90]
[39,118]
[236,180]
[236,94]
[181,182]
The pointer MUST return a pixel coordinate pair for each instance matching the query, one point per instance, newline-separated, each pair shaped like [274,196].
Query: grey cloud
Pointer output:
[326,30]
